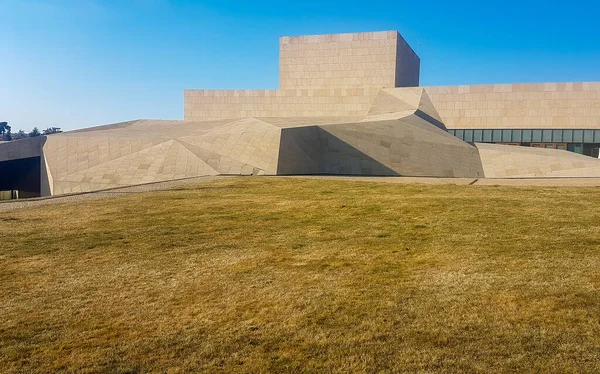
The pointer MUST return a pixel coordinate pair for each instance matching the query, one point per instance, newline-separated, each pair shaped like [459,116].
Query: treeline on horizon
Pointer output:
[7,135]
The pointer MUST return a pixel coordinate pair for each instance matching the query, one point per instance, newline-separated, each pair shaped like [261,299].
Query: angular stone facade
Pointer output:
[400,135]
[518,106]
[507,161]
[377,59]
[348,105]
[320,76]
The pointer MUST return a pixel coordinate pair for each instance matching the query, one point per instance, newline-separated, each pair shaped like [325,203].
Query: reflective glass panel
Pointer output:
[487,135]
[557,136]
[516,135]
[536,136]
[546,135]
[468,136]
[567,136]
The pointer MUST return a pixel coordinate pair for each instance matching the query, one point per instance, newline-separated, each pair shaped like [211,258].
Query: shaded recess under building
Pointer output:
[348,104]
[23,175]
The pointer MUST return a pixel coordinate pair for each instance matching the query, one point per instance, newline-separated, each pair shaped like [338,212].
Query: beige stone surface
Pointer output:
[507,161]
[380,59]
[408,64]
[400,135]
[24,148]
[208,105]
[408,146]
[519,106]
[149,151]
[320,76]
[341,75]
[393,103]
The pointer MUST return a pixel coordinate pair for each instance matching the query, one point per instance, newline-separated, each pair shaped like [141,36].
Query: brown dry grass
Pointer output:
[291,275]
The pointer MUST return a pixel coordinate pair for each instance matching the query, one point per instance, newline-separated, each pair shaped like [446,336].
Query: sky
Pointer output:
[81,63]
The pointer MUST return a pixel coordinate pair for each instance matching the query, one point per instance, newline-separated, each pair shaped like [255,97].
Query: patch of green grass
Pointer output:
[265,275]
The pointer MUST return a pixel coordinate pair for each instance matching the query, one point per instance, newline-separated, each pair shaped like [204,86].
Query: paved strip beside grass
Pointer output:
[6,206]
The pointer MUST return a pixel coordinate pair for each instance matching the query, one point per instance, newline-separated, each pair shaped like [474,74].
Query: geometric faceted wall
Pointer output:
[506,161]
[407,146]
[400,135]
[380,59]
[346,106]
[567,105]
[150,151]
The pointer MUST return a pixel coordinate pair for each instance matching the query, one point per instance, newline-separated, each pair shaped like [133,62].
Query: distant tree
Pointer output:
[52,130]
[35,132]
[20,135]
[4,129]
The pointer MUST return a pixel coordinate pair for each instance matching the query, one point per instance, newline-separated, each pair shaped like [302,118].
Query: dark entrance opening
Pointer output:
[23,175]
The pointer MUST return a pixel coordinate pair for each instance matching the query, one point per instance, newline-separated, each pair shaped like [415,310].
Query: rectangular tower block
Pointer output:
[320,76]
[381,59]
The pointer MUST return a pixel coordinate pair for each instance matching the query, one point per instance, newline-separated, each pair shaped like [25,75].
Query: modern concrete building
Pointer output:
[347,104]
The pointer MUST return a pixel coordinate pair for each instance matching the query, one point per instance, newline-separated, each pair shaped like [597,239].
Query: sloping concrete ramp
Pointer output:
[507,161]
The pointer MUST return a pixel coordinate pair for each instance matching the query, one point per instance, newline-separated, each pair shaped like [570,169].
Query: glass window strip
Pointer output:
[575,136]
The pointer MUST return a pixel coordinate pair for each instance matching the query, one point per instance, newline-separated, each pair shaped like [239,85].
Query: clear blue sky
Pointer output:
[79,63]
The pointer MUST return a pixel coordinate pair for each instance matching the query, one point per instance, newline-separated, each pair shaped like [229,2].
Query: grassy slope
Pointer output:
[262,274]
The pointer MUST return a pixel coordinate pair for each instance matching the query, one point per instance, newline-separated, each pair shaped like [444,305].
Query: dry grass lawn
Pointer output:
[295,275]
